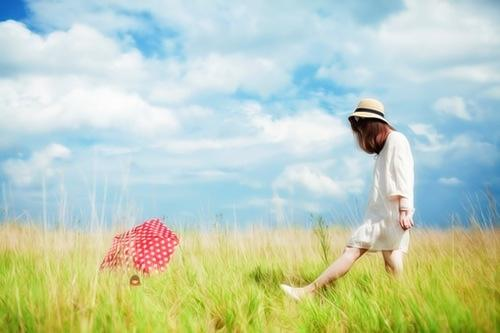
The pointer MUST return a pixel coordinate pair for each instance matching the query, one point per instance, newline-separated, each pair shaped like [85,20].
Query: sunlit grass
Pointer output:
[228,280]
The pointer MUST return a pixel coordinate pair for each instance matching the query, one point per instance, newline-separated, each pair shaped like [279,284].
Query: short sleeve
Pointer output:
[400,177]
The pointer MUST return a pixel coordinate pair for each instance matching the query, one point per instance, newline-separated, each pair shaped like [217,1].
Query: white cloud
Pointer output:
[306,131]
[437,148]
[451,30]
[75,79]
[429,41]
[435,141]
[312,180]
[41,165]
[227,73]
[315,33]
[312,177]
[81,50]
[214,73]
[97,59]
[45,105]
[450,181]
[453,105]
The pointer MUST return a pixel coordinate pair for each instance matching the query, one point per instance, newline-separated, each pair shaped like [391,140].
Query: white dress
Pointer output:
[393,175]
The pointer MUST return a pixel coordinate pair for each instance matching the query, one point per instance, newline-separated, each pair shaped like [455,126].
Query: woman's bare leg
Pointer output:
[336,270]
[393,261]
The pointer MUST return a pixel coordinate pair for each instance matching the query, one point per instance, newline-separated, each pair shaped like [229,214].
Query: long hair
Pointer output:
[371,133]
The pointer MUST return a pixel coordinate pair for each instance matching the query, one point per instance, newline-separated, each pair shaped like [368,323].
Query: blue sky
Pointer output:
[191,110]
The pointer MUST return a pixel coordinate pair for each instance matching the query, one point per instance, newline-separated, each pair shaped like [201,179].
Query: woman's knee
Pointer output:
[394,261]
[353,253]
[396,268]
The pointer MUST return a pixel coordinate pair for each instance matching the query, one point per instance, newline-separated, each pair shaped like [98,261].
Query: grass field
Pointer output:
[229,281]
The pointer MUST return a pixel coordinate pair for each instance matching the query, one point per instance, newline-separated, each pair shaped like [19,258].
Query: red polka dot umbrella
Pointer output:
[146,247]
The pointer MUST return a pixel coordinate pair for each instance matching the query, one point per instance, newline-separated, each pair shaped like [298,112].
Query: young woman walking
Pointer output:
[389,215]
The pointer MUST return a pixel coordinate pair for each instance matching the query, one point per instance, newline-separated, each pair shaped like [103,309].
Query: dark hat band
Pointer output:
[370,111]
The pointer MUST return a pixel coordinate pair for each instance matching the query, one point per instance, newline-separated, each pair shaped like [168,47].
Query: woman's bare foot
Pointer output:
[296,293]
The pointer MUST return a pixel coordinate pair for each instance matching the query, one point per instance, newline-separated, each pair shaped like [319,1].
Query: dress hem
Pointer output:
[375,249]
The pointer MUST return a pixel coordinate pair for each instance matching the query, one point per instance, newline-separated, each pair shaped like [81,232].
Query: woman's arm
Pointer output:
[405,212]
[400,181]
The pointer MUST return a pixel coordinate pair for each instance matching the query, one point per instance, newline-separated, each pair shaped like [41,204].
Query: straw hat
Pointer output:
[370,108]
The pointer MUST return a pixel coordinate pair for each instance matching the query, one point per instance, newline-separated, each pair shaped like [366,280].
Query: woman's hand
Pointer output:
[405,219]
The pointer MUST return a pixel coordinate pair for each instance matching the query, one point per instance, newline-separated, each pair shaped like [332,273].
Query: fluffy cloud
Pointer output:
[228,73]
[313,178]
[306,131]
[441,30]
[73,80]
[454,106]
[434,140]
[41,165]
[309,179]
[429,42]
[437,148]
[284,37]
[218,74]
[96,59]
[450,181]
[41,105]
[80,50]
[303,133]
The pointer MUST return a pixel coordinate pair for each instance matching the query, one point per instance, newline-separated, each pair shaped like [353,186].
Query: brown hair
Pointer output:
[371,133]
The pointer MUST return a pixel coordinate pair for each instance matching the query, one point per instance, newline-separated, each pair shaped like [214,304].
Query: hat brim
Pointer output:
[362,114]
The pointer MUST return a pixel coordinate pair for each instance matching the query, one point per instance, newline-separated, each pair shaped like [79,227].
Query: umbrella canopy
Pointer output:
[146,247]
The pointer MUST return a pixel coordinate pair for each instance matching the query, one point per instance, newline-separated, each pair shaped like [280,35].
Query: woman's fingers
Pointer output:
[409,222]
[405,222]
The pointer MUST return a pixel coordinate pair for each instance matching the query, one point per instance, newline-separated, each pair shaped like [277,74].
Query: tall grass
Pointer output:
[323,237]
[228,280]
[223,279]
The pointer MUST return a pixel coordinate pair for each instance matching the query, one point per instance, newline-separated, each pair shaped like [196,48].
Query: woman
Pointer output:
[389,215]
